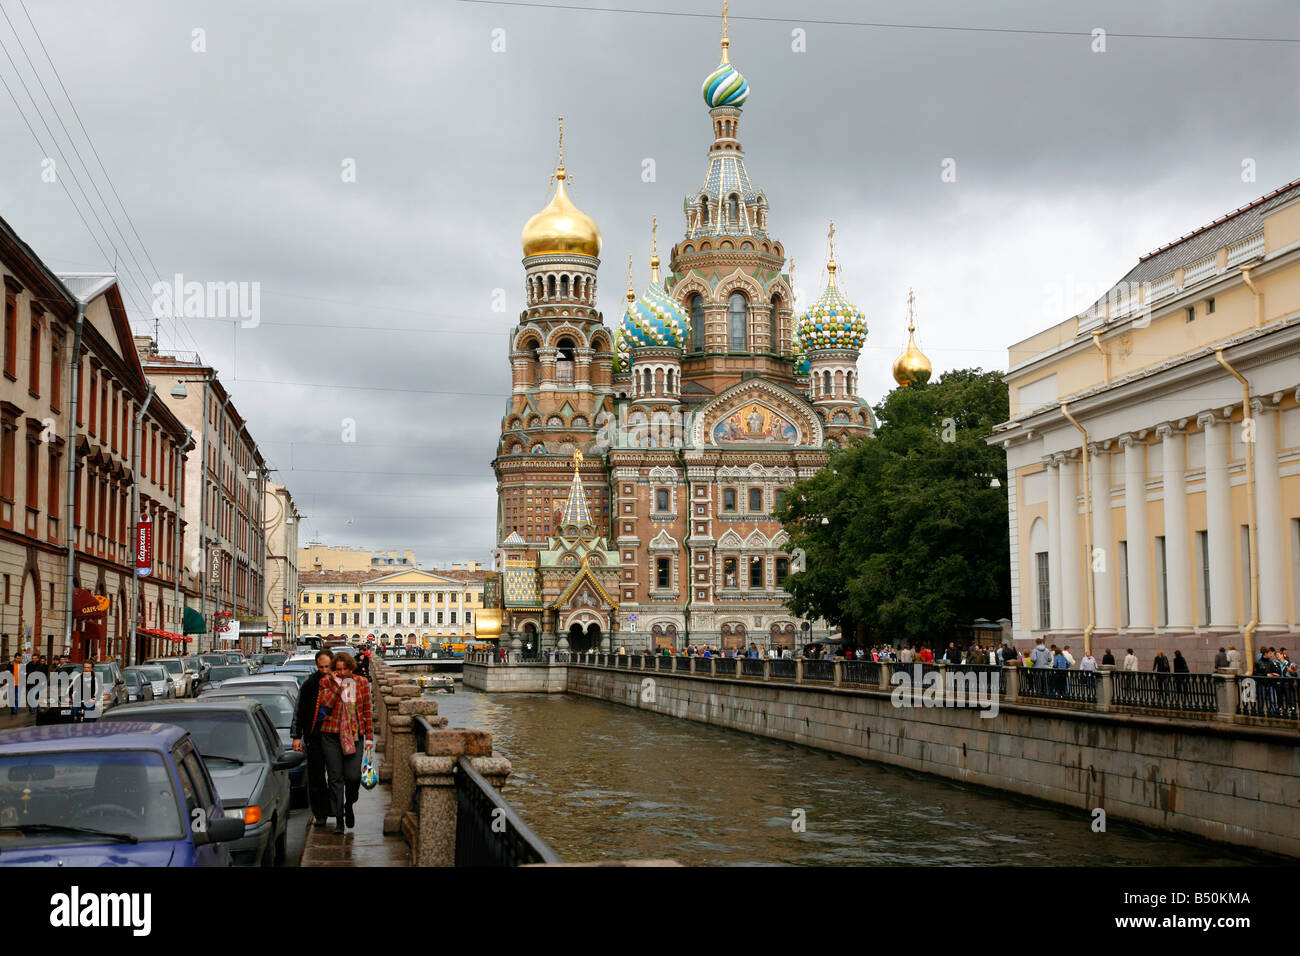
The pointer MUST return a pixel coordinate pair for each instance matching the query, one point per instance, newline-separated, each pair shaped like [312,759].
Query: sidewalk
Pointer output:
[365,844]
[21,719]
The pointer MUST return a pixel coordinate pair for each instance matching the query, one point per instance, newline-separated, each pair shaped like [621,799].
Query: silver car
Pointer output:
[159,678]
[183,679]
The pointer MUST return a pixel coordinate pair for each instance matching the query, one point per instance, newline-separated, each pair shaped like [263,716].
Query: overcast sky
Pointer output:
[376,295]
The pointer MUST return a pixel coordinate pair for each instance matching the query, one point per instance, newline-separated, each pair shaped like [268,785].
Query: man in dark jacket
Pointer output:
[305,738]
[1108,658]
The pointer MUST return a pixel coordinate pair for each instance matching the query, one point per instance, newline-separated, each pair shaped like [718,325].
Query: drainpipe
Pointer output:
[1249,635]
[1087,532]
[177,468]
[1096,343]
[690,568]
[1259,296]
[135,522]
[71,493]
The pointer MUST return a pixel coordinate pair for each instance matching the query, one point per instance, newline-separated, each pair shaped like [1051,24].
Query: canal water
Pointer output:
[599,781]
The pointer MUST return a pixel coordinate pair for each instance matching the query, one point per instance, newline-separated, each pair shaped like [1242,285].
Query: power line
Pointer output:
[880,24]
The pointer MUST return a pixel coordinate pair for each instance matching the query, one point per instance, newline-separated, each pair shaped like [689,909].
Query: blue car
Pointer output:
[121,794]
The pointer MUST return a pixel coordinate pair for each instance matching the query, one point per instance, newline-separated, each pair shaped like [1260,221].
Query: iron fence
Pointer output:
[781,668]
[724,665]
[752,667]
[1161,691]
[816,668]
[1277,697]
[859,672]
[488,831]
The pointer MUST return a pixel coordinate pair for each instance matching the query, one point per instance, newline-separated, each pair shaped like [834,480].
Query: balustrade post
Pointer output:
[690,665]
[1227,693]
[1011,682]
[397,693]
[402,746]
[882,677]
[836,673]
[798,670]
[1105,689]
[767,669]
[431,830]
[713,667]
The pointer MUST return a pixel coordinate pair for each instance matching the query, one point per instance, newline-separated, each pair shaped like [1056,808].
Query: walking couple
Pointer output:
[331,721]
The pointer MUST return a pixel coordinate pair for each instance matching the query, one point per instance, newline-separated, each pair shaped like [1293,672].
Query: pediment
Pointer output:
[757,413]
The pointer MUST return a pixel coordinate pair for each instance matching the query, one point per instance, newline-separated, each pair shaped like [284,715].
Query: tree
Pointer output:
[903,531]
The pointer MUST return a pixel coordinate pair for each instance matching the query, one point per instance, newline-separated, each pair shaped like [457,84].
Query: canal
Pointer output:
[600,781]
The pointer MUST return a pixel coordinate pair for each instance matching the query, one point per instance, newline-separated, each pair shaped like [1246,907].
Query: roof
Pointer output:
[87,285]
[1229,228]
[316,578]
[325,578]
[143,735]
[192,706]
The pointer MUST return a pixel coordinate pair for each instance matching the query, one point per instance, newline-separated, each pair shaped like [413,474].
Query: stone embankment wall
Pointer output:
[498,679]
[1226,782]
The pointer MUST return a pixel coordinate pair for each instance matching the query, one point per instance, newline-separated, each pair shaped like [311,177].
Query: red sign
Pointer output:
[144,547]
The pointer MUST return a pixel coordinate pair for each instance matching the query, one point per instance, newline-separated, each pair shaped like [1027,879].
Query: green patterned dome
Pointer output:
[833,322]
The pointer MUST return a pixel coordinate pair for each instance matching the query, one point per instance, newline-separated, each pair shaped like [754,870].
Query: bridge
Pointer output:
[407,665]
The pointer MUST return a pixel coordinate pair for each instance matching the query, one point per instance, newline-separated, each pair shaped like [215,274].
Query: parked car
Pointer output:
[138,686]
[162,683]
[273,658]
[278,702]
[220,674]
[183,683]
[249,766]
[307,658]
[287,681]
[108,691]
[199,668]
[109,794]
[299,672]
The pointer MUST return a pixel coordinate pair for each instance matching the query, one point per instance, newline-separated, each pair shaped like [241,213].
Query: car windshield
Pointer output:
[175,668]
[277,706]
[227,671]
[133,678]
[103,674]
[213,658]
[274,659]
[223,737]
[234,659]
[153,672]
[55,798]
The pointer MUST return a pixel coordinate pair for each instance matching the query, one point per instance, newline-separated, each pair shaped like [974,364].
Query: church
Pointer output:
[638,467]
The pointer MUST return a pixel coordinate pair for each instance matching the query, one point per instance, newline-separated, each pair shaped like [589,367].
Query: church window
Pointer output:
[564,286]
[663,569]
[736,322]
[756,573]
[782,571]
[733,210]
[755,500]
[775,330]
[728,499]
[550,286]
[661,500]
[697,323]
[728,572]
[779,501]
[704,210]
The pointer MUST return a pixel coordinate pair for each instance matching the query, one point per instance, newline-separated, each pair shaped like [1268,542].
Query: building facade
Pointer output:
[324,557]
[282,524]
[638,469]
[226,478]
[1154,450]
[409,606]
[66,487]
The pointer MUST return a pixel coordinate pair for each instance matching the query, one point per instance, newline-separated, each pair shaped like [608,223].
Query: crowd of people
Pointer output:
[332,720]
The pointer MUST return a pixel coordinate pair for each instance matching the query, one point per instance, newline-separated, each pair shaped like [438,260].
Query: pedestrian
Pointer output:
[1040,656]
[16,687]
[1161,664]
[1130,661]
[306,738]
[1068,656]
[1060,679]
[1108,658]
[1221,659]
[344,702]
[1180,663]
[1089,663]
[1234,657]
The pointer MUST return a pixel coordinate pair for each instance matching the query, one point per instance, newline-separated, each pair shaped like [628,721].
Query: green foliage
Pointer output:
[916,539]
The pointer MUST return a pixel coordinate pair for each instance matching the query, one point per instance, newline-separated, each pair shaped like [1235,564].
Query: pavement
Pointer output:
[365,844]
[21,719]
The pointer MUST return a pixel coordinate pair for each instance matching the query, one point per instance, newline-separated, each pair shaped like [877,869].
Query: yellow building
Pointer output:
[1153,451]
[410,606]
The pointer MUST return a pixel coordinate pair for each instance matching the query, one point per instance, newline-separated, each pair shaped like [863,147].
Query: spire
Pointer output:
[576,509]
[561,227]
[725,42]
[831,265]
[912,367]
[631,292]
[654,250]
[559,157]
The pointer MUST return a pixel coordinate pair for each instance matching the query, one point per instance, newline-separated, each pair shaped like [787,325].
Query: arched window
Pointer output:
[564,286]
[733,209]
[736,322]
[564,362]
[550,286]
[704,210]
[697,323]
[775,327]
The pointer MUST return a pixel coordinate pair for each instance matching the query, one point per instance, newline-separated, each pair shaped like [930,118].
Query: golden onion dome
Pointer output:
[912,367]
[561,227]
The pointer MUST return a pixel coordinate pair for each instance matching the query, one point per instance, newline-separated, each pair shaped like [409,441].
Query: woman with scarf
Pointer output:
[344,722]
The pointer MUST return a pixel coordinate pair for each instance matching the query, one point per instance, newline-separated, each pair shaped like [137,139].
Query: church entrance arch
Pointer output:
[584,638]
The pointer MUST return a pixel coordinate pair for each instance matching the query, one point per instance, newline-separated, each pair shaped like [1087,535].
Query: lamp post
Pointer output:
[135,521]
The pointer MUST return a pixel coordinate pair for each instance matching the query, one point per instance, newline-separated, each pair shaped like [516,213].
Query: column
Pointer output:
[1218,521]
[1102,536]
[1072,580]
[1053,541]
[1139,542]
[1270,523]
[460,608]
[1173,461]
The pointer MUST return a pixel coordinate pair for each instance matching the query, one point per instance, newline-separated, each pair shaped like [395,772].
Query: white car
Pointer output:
[301,659]
[182,679]
[160,679]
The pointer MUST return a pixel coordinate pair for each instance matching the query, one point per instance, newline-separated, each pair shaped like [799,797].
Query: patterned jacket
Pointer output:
[328,698]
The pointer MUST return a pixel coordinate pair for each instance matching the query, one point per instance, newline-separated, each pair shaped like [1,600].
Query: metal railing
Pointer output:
[1161,691]
[488,831]
[857,672]
[724,665]
[752,667]
[1276,697]
[781,668]
[817,668]
[1049,683]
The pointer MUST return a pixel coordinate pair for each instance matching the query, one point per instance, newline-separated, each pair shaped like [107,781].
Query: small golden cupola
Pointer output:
[912,367]
[561,228]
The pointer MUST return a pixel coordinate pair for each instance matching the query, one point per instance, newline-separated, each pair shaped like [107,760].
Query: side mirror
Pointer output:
[221,830]
[288,760]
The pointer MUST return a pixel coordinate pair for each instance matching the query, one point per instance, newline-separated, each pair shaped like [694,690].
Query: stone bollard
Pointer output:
[392,702]
[401,747]
[432,828]
[837,673]
[1011,682]
[1227,694]
[713,667]
[882,678]
[798,670]
[1105,688]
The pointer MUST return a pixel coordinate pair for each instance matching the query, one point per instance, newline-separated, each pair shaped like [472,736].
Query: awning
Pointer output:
[193,623]
[87,605]
[165,635]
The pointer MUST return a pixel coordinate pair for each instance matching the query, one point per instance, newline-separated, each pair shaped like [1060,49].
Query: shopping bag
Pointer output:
[369,776]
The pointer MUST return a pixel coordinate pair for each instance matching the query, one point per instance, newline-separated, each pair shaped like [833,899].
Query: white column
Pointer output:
[1054,541]
[1102,536]
[1270,521]
[1173,461]
[1072,582]
[1137,535]
[1218,521]
[460,609]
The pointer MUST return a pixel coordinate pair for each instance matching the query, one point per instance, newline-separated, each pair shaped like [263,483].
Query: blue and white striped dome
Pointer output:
[725,87]
[655,320]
